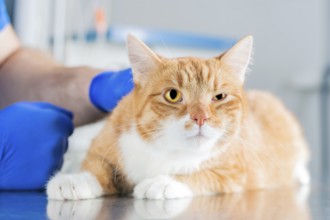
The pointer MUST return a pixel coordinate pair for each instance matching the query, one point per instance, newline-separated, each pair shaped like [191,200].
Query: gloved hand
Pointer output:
[4,19]
[108,88]
[33,139]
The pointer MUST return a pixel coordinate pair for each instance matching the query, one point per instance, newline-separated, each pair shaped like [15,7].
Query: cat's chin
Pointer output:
[199,143]
[202,139]
[199,138]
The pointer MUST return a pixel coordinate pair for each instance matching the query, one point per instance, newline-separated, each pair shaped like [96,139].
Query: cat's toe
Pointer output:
[74,186]
[54,187]
[141,189]
[161,187]
[157,189]
[177,190]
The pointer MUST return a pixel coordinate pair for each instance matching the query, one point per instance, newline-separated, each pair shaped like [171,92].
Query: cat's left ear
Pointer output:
[237,59]
[143,60]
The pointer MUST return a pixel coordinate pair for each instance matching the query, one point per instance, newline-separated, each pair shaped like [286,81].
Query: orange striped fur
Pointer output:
[251,141]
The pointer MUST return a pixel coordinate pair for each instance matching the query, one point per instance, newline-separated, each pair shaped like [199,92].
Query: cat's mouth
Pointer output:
[199,135]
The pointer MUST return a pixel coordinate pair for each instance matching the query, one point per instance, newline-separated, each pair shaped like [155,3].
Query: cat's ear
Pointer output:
[237,59]
[143,60]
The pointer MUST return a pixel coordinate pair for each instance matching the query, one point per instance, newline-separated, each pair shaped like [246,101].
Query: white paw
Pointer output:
[74,186]
[161,187]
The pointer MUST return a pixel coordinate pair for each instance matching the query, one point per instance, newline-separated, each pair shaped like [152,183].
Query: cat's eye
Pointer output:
[219,97]
[173,96]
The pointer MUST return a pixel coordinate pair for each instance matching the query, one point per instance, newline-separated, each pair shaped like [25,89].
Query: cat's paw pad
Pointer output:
[161,187]
[74,186]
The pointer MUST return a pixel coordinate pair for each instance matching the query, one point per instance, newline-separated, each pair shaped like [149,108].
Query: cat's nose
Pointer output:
[199,118]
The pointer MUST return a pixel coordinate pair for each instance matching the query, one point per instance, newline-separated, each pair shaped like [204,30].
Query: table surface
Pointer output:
[299,203]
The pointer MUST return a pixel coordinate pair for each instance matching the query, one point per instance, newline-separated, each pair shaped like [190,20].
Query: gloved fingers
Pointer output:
[33,140]
[67,126]
[124,86]
[96,88]
[63,117]
[41,105]
[46,105]
[65,145]
[124,73]
[62,124]
[125,79]
[59,151]
[108,88]
[41,113]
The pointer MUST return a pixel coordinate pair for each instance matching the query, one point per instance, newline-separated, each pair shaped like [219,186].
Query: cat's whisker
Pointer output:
[164,44]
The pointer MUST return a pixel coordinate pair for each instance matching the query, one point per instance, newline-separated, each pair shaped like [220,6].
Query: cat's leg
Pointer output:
[162,187]
[93,181]
[82,185]
[207,182]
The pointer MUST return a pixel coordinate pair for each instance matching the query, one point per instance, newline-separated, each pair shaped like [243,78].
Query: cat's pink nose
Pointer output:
[200,118]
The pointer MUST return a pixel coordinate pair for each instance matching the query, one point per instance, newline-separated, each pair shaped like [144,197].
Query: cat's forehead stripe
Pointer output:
[180,79]
[197,73]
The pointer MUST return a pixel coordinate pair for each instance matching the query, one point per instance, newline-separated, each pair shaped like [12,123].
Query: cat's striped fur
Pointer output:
[156,149]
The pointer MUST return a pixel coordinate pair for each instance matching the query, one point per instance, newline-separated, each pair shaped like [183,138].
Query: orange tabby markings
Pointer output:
[244,140]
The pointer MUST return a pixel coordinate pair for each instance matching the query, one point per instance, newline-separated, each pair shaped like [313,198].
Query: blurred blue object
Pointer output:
[33,140]
[151,37]
[108,88]
[23,205]
[4,19]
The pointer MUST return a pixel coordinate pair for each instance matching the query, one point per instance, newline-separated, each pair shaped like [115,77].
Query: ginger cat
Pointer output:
[189,128]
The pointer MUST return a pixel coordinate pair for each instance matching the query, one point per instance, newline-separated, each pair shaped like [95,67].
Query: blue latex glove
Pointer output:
[4,19]
[108,88]
[33,139]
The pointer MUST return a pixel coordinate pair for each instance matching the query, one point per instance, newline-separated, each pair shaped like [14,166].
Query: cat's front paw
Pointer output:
[74,186]
[161,187]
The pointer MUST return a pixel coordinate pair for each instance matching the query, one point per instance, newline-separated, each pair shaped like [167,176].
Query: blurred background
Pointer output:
[291,49]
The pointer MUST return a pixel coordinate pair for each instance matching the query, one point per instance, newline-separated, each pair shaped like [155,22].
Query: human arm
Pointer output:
[31,75]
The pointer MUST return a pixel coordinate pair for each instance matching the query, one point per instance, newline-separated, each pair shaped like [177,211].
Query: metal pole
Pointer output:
[59,30]
[325,124]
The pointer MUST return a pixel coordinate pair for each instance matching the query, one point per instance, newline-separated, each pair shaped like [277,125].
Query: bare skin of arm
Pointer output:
[32,75]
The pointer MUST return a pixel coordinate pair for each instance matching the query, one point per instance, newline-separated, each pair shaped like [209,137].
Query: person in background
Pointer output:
[41,101]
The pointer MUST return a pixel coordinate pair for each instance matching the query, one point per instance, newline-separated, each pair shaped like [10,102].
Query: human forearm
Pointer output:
[9,42]
[32,75]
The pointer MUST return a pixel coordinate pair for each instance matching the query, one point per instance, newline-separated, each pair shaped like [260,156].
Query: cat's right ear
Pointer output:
[143,60]
[237,58]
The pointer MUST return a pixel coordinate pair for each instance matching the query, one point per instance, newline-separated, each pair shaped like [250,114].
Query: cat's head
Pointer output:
[188,103]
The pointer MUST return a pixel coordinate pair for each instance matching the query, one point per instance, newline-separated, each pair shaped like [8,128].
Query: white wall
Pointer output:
[287,33]
[289,38]
[32,22]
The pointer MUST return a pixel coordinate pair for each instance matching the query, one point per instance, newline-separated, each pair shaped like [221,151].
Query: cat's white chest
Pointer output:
[144,159]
